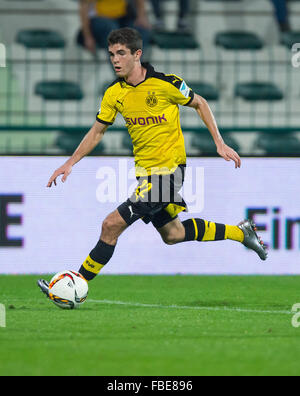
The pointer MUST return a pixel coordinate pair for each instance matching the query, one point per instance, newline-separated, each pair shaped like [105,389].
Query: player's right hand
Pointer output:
[64,170]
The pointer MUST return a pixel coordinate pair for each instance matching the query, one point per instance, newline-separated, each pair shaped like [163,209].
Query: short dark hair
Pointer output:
[126,36]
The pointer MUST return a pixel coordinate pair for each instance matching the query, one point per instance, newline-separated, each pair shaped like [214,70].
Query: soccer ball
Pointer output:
[68,290]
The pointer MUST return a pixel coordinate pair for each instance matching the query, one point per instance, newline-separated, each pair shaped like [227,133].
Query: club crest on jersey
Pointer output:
[151,99]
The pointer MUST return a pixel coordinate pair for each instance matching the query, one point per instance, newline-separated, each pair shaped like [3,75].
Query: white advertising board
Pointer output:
[46,230]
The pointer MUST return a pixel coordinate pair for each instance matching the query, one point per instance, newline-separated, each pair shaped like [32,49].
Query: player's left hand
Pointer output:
[229,154]
[64,170]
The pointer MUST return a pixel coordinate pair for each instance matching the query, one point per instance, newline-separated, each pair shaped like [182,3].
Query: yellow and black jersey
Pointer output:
[151,113]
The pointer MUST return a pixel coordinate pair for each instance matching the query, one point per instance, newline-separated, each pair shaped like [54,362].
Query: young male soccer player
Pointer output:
[149,101]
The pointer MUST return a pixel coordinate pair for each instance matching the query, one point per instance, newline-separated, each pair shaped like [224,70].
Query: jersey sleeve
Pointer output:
[108,111]
[179,92]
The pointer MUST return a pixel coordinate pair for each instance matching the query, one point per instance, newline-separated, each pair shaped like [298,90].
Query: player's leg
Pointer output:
[126,214]
[198,230]
[175,231]
[112,227]
[206,231]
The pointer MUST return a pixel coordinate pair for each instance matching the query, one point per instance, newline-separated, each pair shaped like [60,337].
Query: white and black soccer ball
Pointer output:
[68,289]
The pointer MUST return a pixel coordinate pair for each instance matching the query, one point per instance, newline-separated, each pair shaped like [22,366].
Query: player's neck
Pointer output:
[137,75]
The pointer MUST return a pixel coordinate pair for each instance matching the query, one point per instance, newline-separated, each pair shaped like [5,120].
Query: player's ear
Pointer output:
[138,54]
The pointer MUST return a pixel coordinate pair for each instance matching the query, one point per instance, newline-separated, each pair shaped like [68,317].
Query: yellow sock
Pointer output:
[204,231]
[90,268]
[234,233]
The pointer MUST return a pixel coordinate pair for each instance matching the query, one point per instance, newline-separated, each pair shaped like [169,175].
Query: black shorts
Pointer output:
[156,199]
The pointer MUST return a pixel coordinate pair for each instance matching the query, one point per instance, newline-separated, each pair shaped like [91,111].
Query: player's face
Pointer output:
[122,59]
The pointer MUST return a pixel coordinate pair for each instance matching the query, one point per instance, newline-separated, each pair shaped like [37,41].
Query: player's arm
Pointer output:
[205,113]
[89,142]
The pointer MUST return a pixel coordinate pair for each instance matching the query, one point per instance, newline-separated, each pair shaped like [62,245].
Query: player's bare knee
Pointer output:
[112,227]
[109,228]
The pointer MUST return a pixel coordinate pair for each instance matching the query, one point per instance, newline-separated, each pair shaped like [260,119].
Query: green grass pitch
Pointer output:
[171,326]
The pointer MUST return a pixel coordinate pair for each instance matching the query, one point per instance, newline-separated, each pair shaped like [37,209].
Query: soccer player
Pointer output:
[149,101]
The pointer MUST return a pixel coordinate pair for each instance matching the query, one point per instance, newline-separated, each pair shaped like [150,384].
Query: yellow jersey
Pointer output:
[151,113]
[111,8]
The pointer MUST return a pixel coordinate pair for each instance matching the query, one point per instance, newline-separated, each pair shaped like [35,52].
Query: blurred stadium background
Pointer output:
[235,57]
[50,92]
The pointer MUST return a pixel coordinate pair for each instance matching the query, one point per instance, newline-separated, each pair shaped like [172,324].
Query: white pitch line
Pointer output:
[132,304]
